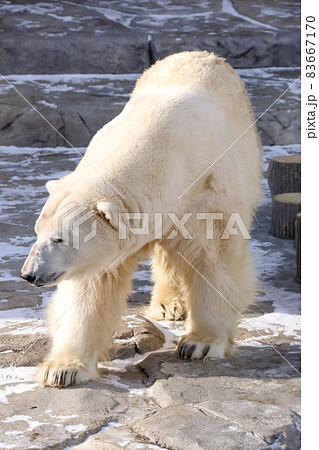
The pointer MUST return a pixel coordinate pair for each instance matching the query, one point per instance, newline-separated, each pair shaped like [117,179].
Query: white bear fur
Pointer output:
[184,112]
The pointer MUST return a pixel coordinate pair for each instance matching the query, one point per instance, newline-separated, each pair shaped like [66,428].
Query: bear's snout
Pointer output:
[30,278]
[39,281]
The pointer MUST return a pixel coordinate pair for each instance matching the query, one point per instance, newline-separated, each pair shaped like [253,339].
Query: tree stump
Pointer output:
[298,245]
[284,174]
[285,208]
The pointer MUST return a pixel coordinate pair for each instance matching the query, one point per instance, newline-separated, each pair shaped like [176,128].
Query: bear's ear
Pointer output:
[110,212]
[51,185]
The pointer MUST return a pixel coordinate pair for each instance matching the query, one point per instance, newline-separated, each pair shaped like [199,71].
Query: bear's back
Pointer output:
[194,71]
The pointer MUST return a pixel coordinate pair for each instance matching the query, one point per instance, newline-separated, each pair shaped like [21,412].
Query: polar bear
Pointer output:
[183,151]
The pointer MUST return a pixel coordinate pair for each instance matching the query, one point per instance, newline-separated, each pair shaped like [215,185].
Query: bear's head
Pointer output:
[77,234]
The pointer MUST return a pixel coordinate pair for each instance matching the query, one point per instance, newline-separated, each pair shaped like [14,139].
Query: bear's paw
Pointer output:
[53,374]
[194,348]
[171,309]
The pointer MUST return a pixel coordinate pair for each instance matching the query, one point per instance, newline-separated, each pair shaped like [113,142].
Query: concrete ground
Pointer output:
[77,65]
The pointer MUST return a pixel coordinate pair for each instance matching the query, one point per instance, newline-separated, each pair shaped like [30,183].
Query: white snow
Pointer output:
[109,425]
[30,320]
[228,8]
[142,275]
[31,423]
[38,8]
[17,374]
[145,288]
[72,78]
[76,428]
[15,389]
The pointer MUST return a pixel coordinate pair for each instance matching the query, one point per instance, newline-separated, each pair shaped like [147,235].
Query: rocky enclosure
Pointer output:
[77,62]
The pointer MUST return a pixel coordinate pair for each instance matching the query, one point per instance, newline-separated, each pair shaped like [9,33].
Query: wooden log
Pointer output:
[285,208]
[284,174]
[298,245]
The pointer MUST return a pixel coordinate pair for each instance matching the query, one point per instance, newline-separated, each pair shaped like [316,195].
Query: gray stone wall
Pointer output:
[124,38]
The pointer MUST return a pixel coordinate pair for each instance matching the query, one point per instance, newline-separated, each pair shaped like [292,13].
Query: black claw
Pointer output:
[73,377]
[46,375]
[206,350]
[191,351]
[185,349]
[55,378]
[181,348]
[60,377]
[64,373]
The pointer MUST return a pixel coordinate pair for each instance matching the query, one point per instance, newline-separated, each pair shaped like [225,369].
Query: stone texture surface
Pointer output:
[146,337]
[67,37]
[115,438]
[233,424]
[77,106]
[112,36]
[122,39]
[49,418]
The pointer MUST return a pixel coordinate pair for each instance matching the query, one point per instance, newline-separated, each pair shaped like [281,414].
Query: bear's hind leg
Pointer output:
[167,302]
[216,293]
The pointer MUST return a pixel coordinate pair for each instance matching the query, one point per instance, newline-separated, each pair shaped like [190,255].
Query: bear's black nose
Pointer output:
[30,278]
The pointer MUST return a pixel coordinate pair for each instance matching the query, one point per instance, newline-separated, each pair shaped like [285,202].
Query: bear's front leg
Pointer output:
[83,316]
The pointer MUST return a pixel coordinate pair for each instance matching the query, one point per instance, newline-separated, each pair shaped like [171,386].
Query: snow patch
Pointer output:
[76,428]
[32,424]
[15,389]
[228,8]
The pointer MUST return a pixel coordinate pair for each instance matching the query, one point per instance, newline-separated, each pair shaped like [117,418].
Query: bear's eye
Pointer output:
[56,240]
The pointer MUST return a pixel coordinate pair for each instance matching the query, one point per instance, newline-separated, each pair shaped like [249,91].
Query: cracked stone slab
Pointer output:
[267,422]
[79,105]
[264,379]
[186,427]
[136,334]
[181,390]
[114,438]
[231,425]
[46,418]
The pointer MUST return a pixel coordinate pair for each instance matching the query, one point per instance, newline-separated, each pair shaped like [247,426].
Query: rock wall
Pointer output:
[108,38]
